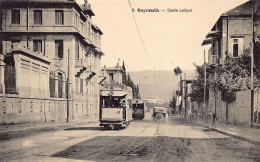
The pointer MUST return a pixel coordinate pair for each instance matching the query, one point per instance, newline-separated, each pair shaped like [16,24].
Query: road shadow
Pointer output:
[85,128]
[160,148]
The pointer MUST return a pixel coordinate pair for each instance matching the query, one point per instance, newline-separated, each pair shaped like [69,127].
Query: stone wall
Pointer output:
[15,109]
[239,111]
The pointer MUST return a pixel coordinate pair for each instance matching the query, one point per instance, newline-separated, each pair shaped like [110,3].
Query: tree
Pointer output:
[177,71]
[197,93]
[232,76]
[173,103]
[124,79]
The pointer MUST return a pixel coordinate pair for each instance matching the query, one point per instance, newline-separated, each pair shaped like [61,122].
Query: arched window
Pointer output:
[52,85]
[60,85]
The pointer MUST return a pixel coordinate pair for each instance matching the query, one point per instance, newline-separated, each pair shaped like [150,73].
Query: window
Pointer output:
[1,47]
[59,48]
[37,45]
[111,76]
[59,17]
[76,85]
[89,30]
[81,85]
[15,16]
[37,17]
[77,49]
[60,85]
[15,43]
[1,20]
[235,47]
[52,85]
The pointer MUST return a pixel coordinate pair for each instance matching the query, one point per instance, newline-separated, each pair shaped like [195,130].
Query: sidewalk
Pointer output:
[10,131]
[245,133]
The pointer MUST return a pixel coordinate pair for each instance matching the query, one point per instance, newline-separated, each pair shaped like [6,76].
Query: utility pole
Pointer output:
[205,84]
[68,87]
[184,95]
[252,66]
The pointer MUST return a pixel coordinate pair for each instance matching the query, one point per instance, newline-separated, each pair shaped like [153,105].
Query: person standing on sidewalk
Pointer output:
[214,118]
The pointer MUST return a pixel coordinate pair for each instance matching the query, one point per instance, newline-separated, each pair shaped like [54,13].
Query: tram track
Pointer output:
[136,147]
[124,142]
[21,153]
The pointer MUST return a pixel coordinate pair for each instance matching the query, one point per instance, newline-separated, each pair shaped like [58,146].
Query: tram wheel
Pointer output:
[111,126]
[159,117]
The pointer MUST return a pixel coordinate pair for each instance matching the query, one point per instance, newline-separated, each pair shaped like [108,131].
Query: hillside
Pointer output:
[157,84]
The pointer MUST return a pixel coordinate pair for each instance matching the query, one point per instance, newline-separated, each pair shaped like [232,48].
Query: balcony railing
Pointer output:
[80,63]
[214,59]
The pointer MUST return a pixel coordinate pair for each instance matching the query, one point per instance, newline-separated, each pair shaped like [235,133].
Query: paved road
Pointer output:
[146,140]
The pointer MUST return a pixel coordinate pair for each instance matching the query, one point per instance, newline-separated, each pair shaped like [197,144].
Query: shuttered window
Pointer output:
[15,16]
[59,48]
[37,45]
[81,85]
[76,85]
[37,17]
[235,48]
[59,17]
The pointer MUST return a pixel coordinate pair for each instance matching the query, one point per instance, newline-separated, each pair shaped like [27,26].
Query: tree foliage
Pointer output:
[197,93]
[177,70]
[232,76]
[173,103]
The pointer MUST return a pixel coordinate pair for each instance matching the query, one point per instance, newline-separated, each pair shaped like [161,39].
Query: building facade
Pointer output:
[233,35]
[114,83]
[49,50]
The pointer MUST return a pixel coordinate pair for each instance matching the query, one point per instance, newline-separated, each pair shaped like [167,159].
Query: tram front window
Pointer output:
[138,106]
[112,102]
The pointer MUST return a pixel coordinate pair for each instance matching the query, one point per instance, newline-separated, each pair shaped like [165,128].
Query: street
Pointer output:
[143,140]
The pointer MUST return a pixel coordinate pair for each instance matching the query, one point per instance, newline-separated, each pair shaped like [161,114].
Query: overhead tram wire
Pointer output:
[143,42]
[140,34]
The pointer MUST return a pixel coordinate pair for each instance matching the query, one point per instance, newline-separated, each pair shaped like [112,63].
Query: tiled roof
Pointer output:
[243,9]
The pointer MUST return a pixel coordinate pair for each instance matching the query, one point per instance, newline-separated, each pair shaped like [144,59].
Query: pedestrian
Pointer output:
[209,115]
[214,118]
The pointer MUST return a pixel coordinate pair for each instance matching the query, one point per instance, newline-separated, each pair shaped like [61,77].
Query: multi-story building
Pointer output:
[115,84]
[233,34]
[186,89]
[44,43]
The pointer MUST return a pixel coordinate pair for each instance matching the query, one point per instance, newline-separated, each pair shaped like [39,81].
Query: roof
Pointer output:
[116,68]
[53,3]
[244,9]
[97,28]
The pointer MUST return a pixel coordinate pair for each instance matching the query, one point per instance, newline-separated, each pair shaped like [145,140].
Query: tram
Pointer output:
[115,108]
[139,109]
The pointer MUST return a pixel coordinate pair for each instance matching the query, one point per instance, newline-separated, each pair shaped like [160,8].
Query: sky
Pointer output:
[171,39]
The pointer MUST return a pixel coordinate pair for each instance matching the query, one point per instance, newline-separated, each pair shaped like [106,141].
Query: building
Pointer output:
[115,83]
[186,89]
[233,35]
[44,43]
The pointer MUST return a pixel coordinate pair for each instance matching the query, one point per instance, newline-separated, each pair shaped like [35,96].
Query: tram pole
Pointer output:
[252,67]
[205,84]
[68,87]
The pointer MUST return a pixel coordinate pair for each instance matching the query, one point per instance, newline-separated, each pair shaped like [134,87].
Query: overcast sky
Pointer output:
[171,38]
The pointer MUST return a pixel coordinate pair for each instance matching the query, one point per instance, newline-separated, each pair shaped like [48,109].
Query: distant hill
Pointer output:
[157,84]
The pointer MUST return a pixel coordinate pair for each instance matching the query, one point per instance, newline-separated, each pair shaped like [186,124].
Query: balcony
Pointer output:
[214,59]
[79,63]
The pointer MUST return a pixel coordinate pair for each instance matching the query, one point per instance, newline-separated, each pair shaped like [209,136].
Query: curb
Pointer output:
[236,136]
[58,124]
[231,134]
[32,130]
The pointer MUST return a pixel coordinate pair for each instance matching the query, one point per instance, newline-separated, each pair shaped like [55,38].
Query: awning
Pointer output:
[213,34]
[206,42]
[101,79]
[113,93]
